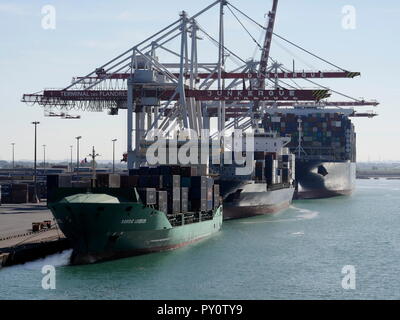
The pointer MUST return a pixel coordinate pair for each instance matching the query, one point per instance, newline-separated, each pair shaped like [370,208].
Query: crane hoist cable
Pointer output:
[217,43]
[309,52]
[334,91]
[256,42]
[251,36]
[286,40]
[247,31]
[256,49]
[242,13]
[292,54]
[324,87]
[317,84]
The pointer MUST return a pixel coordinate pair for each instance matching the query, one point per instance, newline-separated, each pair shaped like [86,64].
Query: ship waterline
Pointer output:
[324,179]
[254,199]
[103,231]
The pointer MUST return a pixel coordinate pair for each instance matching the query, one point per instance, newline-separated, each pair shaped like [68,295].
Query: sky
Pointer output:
[89,33]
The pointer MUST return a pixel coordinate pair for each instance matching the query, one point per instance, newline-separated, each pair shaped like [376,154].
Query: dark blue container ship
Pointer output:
[324,142]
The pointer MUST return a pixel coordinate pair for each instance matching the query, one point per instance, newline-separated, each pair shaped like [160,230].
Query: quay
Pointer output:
[18,243]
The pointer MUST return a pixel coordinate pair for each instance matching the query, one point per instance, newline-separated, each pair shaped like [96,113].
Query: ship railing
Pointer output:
[320,157]
[278,186]
[189,217]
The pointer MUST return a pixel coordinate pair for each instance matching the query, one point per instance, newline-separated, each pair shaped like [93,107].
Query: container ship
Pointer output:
[183,92]
[118,216]
[324,141]
[268,189]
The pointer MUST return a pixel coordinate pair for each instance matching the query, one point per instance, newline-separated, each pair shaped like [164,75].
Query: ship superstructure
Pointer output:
[324,141]
[268,188]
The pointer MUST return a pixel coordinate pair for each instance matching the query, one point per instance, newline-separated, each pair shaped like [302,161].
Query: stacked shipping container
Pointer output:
[177,188]
[170,189]
[327,135]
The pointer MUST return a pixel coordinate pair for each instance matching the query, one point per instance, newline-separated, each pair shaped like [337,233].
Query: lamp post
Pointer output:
[71,159]
[77,155]
[113,167]
[13,164]
[35,123]
[44,158]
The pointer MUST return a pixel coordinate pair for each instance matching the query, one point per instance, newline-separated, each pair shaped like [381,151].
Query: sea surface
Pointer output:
[296,254]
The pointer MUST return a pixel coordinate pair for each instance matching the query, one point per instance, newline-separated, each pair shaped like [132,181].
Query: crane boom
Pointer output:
[267,45]
[247,75]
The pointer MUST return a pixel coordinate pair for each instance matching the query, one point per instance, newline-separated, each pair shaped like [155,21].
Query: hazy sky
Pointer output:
[90,32]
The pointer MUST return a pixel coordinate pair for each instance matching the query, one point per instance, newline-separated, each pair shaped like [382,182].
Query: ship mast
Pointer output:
[299,148]
[93,155]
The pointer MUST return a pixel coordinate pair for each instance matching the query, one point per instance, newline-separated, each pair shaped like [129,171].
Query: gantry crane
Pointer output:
[185,91]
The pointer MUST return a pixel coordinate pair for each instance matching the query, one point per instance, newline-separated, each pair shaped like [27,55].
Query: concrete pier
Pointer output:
[18,244]
[3,259]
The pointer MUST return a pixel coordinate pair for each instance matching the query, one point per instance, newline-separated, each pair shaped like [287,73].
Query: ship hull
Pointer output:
[228,187]
[319,179]
[254,200]
[101,232]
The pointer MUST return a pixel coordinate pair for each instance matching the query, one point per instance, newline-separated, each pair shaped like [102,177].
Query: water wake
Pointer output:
[305,213]
[269,221]
[56,260]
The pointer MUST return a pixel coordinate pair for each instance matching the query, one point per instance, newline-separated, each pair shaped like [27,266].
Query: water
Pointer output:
[297,254]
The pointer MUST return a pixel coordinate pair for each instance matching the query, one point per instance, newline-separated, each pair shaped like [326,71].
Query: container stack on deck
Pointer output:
[273,168]
[170,189]
[174,189]
[323,134]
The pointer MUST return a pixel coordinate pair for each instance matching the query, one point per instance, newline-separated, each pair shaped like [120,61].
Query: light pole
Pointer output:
[35,167]
[13,166]
[77,155]
[71,159]
[44,158]
[113,141]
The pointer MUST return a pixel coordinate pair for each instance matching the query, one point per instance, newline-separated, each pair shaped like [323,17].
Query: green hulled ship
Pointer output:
[110,223]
